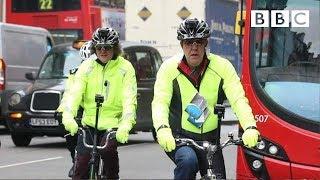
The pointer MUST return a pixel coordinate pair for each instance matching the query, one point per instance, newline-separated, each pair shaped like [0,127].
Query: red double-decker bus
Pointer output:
[68,20]
[281,77]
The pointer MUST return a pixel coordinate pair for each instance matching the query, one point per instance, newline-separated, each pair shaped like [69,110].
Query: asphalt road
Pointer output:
[48,158]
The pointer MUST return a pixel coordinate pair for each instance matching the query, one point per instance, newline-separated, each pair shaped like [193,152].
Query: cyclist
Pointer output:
[193,82]
[71,141]
[113,77]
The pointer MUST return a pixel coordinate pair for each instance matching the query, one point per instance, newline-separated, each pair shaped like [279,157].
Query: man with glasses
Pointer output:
[194,81]
[113,77]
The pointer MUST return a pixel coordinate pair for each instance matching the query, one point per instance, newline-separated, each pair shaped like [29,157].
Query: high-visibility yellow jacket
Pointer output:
[116,81]
[66,92]
[173,92]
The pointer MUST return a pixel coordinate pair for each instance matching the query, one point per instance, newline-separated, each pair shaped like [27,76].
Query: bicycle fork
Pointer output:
[210,173]
[94,172]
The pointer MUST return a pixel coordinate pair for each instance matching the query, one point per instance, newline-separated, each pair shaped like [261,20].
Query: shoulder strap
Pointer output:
[221,94]
[221,98]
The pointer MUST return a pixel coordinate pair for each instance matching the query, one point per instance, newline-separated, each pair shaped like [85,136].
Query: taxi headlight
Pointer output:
[15,99]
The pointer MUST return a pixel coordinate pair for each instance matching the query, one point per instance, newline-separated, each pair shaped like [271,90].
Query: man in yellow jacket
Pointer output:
[113,77]
[196,78]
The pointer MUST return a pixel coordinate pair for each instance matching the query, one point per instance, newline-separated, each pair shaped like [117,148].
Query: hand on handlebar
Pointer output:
[166,140]
[250,137]
[71,126]
[122,134]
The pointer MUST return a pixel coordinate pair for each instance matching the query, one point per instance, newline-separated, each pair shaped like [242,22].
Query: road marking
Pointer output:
[30,162]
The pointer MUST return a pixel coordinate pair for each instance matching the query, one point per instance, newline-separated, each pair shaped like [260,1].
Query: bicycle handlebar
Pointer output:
[207,146]
[111,134]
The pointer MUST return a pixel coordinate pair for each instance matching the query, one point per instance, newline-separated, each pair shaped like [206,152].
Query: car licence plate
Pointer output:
[43,122]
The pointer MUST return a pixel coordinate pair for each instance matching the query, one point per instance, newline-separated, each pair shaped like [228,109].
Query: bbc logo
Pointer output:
[280,18]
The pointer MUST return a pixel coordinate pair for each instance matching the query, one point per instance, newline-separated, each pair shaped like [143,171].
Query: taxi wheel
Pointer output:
[21,140]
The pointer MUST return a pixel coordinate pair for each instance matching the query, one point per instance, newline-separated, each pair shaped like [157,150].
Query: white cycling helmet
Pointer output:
[105,35]
[193,28]
[86,50]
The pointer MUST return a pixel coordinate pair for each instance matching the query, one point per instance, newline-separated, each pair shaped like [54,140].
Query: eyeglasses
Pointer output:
[190,42]
[103,47]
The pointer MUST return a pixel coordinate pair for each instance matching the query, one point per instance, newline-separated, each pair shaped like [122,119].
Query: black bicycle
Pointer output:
[96,162]
[210,149]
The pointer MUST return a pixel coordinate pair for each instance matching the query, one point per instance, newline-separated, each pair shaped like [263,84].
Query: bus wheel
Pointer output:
[154,135]
[21,139]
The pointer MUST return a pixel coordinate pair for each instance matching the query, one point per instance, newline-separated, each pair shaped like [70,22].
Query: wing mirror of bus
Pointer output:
[30,76]
[239,26]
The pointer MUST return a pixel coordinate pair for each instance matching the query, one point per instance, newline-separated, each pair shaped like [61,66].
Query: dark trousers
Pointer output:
[71,142]
[109,156]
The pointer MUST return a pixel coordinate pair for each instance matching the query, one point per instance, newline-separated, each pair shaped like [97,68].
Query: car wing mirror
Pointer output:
[30,75]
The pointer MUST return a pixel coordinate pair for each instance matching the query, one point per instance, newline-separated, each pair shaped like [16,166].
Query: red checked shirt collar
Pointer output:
[193,74]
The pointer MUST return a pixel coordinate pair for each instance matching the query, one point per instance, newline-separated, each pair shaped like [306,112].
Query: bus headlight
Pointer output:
[261,145]
[267,148]
[256,164]
[15,99]
[273,149]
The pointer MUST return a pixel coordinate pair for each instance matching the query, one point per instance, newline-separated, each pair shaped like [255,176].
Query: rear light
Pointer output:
[2,74]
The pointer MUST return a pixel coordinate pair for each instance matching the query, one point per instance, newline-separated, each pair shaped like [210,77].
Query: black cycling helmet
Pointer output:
[193,28]
[105,36]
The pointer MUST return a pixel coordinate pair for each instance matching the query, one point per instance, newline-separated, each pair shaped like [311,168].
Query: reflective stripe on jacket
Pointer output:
[66,92]
[116,81]
[173,92]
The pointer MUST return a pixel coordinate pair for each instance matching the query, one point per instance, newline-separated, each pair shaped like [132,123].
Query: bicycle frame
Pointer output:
[210,149]
[96,167]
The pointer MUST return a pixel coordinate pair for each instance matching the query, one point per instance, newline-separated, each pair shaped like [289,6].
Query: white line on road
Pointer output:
[29,162]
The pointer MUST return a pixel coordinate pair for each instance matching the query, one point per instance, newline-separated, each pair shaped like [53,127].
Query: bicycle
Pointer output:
[96,167]
[96,162]
[210,149]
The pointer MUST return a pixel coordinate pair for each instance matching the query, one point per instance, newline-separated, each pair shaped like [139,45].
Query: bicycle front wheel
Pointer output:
[93,175]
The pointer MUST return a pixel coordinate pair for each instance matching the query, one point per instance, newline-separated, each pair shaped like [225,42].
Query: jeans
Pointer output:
[189,161]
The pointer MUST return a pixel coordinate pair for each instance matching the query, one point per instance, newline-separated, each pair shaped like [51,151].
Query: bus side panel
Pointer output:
[243,170]
[305,172]
[280,169]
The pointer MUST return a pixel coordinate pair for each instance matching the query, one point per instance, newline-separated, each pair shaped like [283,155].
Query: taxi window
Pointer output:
[144,66]
[58,65]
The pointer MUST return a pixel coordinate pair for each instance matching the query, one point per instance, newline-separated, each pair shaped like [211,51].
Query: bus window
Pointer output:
[110,3]
[289,58]
[63,36]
